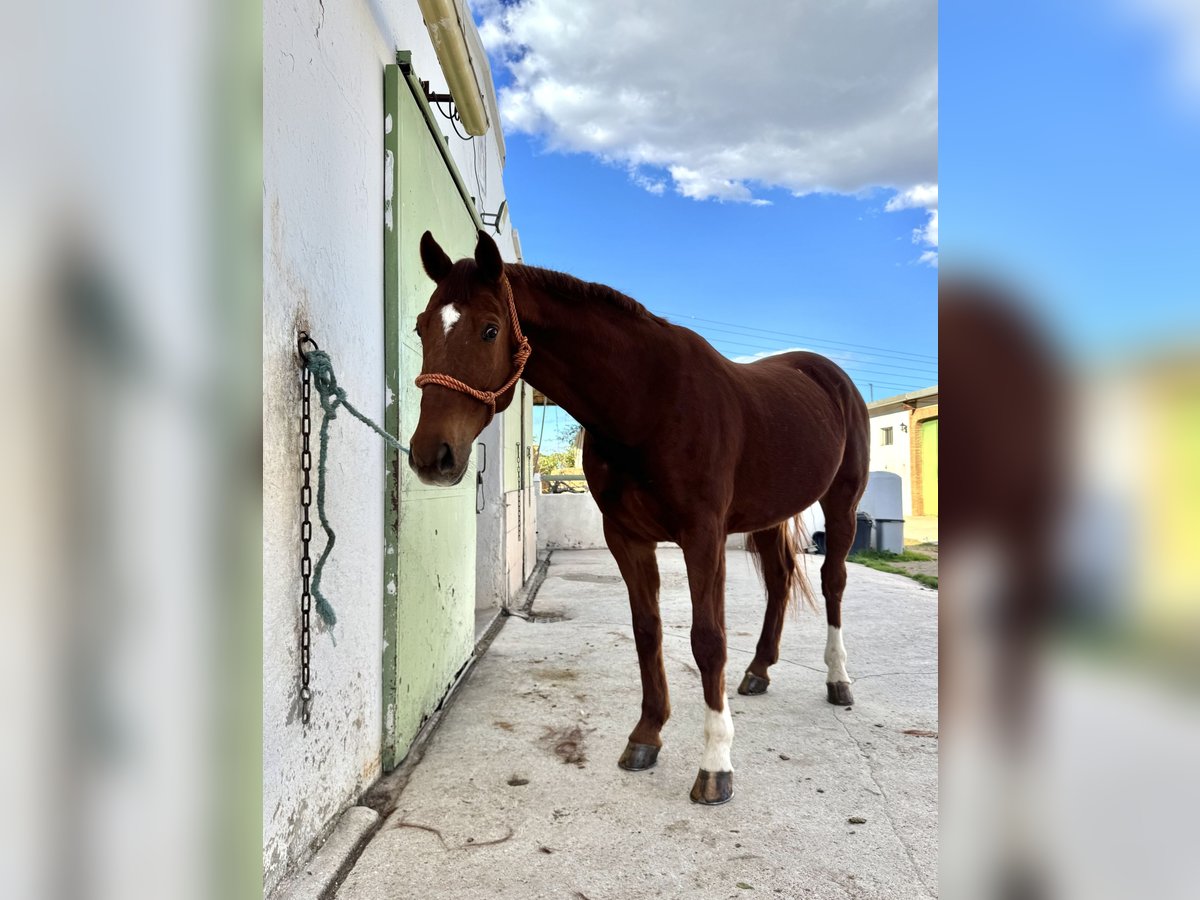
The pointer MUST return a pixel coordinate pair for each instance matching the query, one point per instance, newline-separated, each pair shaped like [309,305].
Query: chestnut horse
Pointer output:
[681,444]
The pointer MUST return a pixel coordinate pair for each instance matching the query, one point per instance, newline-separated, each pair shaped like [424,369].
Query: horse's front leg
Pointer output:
[639,567]
[704,554]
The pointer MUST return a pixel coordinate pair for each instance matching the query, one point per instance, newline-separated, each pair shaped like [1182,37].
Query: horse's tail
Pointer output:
[784,546]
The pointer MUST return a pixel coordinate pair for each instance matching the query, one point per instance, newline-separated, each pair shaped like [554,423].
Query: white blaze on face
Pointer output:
[718,741]
[450,315]
[835,656]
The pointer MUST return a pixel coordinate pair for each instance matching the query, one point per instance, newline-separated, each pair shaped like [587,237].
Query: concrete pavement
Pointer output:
[519,795]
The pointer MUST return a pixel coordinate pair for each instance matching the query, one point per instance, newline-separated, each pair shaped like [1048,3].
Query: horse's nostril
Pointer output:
[445,458]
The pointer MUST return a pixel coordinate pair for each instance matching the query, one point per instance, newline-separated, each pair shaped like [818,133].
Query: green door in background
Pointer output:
[929,466]
[429,532]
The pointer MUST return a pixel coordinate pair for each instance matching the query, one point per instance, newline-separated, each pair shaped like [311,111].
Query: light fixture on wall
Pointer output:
[904,427]
[496,219]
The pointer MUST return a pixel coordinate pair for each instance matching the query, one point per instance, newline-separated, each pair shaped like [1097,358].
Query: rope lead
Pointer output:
[332,396]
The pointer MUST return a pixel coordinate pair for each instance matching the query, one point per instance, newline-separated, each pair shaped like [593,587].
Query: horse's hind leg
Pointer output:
[840,505]
[778,566]
[639,568]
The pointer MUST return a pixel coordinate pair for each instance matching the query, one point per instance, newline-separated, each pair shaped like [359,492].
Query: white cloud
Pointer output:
[924,196]
[927,235]
[700,186]
[722,100]
[645,182]
[763,354]
[921,196]
[1178,22]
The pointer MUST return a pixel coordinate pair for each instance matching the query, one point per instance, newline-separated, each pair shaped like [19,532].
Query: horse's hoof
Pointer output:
[713,788]
[753,684]
[839,693]
[638,757]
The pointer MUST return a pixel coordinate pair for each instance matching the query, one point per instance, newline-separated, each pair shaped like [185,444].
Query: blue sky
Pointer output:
[1070,164]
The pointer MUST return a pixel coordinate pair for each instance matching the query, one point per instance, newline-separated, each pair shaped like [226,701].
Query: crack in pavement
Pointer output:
[866,762]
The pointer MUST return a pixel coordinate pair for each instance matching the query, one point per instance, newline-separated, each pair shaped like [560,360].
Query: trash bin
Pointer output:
[862,533]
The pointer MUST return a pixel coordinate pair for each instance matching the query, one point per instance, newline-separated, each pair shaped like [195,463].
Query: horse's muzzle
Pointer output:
[440,465]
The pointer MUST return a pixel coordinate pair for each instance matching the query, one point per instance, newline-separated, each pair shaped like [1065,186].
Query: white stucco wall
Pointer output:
[573,522]
[323,271]
[894,458]
[507,525]
[569,522]
[490,582]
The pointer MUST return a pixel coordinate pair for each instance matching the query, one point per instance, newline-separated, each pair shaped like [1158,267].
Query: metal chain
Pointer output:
[305,524]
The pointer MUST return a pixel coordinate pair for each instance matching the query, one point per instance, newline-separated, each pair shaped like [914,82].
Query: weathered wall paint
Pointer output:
[323,217]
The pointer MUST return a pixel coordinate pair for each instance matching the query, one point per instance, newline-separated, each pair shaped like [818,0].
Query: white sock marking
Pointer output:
[718,741]
[450,315]
[835,656]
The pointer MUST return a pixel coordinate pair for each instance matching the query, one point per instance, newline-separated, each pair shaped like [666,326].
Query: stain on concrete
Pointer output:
[567,744]
[552,674]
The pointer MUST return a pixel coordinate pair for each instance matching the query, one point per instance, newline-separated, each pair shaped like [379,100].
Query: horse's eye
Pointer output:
[490,333]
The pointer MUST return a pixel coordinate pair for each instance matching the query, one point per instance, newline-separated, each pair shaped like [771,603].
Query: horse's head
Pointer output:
[473,356]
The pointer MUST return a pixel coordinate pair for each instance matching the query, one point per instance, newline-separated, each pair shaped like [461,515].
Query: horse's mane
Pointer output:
[584,291]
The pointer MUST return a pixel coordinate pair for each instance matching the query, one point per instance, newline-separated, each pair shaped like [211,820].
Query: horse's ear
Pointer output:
[437,264]
[487,258]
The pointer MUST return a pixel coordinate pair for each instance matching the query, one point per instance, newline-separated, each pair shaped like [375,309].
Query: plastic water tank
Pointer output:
[883,501]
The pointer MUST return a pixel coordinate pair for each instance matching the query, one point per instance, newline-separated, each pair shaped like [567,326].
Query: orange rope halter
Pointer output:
[520,357]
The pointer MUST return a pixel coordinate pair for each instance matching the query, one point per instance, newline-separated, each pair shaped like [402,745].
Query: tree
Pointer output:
[556,463]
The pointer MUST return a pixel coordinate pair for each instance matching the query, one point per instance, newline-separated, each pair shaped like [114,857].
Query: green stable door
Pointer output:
[429,532]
